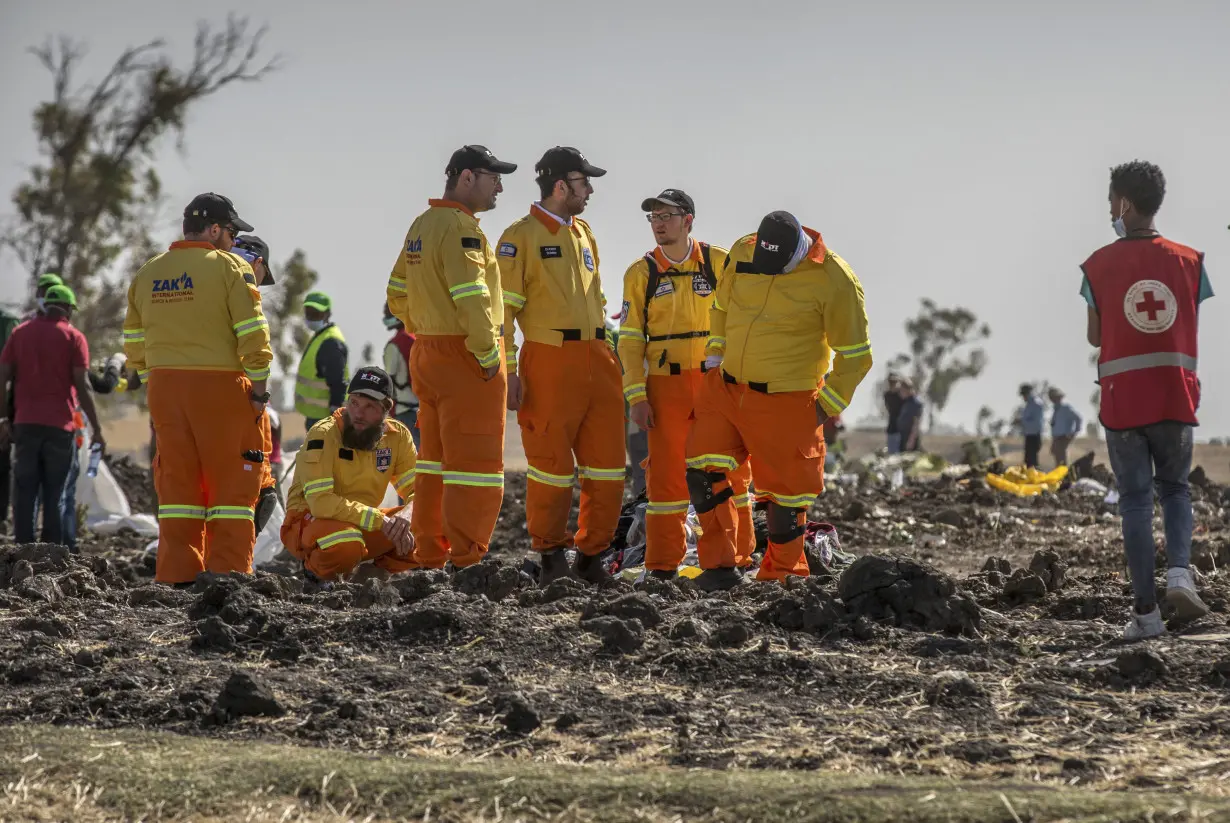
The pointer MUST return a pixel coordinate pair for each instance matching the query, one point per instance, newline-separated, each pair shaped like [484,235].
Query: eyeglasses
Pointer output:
[662,216]
[234,232]
[498,177]
[584,178]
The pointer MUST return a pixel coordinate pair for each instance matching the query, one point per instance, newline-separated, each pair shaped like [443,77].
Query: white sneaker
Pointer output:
[1144,626]
[1181,595]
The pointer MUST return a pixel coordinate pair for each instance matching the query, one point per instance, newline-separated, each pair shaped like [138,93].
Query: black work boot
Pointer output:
[554,566]
[718,580]
[661,574]
[315,583]
[590,569]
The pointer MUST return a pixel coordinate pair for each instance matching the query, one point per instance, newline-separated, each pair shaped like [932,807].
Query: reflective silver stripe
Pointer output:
[1146,361]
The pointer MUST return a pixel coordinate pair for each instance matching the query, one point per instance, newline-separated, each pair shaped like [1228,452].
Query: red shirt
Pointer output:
[42,353]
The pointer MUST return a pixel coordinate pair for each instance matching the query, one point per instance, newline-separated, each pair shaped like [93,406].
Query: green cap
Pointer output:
[318,300]
[49,279]
[60,295]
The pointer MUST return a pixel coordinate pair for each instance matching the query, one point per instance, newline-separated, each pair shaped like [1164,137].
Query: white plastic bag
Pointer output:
[269,541]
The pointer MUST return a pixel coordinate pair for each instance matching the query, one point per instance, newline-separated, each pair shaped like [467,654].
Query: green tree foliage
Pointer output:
[90,201]
[943,351]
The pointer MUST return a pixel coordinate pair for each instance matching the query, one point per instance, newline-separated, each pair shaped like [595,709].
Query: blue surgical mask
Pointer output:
[391,322]
[41,303]
[314,325]
[1117,225]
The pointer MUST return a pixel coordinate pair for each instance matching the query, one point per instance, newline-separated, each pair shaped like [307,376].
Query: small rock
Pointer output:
[348,710]
[1052,570]
[566,721]
[637,605]
[288,651]
[377,593]
[40,589]
[856,510]
[243,695]
[1137,662]
[689,628]
[1024,586]
[954,689]
[997,564]
[213,633]
[949,517]
[564,587]
[479,677]
[519,715]
[88,659]
[621,636]
[731,634]
[492,580]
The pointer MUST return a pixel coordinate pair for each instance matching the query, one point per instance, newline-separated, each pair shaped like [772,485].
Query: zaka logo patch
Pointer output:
[175,290]
[384,459]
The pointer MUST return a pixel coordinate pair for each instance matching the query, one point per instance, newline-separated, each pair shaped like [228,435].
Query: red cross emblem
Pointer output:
[1151,305]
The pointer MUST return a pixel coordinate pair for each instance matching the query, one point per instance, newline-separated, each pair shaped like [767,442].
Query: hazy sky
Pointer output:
[957,151]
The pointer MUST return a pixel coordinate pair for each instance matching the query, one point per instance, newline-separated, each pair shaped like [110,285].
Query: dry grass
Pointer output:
[71,774]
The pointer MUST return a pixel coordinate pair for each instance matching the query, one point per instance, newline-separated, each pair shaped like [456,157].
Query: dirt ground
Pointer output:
[923,658]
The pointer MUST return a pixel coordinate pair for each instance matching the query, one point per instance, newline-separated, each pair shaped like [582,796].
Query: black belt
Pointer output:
[676,368]
[574,335]
[763,388]
[691,335]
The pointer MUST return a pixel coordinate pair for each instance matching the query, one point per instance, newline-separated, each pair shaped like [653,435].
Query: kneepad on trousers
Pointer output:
[700,489]
[785,524]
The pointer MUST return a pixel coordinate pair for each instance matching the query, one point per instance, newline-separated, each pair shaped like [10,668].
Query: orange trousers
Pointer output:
[329,548]
[572,405]
[459,480]
[780,436]
[673,399]
[204,423]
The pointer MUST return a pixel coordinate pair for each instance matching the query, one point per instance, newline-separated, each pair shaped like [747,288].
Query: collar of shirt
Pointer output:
[193,244]
[666,264]
[818,250]
[552,221]
[450,204]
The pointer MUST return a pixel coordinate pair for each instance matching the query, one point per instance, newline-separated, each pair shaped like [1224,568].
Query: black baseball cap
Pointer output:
[255,247]
[561,160]
[372,382]
[776,241]
[476,157]
[215,208]
[671,197]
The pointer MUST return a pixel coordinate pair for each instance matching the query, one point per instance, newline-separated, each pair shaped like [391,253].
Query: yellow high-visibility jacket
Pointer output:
[550,276]
[784,332]
[446,280]
[195,307]
[677,330]
[336,483]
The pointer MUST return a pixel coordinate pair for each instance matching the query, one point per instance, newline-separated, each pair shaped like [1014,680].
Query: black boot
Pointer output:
[718,580]
[661,574]
[315,583]
[590,569]
[554,566]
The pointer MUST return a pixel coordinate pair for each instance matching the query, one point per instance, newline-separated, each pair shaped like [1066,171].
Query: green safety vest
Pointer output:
[312,392]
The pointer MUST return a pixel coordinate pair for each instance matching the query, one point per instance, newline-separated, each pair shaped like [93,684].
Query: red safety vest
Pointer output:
[1147,291]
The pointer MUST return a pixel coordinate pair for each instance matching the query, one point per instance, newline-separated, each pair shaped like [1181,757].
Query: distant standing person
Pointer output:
[892,408]
[1030,420]
[1066,424]
[397,364]
[909,418]
[1144,294]
[320,388]
[47,360]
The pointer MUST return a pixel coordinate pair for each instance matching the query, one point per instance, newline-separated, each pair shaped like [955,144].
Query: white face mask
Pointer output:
[314,325]
[390,322]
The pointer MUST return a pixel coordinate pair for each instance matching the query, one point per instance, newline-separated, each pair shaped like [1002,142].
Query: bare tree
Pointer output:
[87,207]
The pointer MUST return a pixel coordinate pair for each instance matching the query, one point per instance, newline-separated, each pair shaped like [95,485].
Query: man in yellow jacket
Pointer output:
[565,386]
[664,327]
[196,336]
[445,289]
[349,460]
[788,346]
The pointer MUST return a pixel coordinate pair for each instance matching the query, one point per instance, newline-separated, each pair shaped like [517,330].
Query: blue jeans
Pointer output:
[894,442]
[1154,456]
[68,501]
[411,420]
